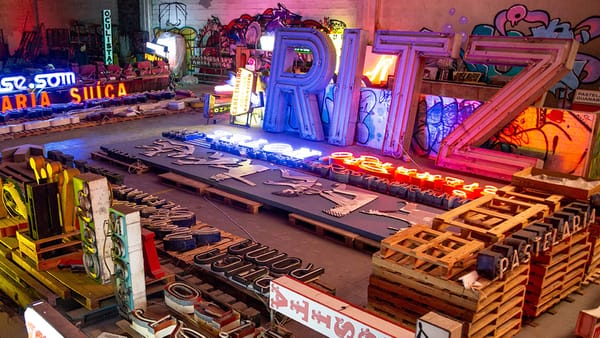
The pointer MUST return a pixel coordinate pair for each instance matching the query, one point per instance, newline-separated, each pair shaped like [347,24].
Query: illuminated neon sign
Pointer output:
[29,100]
[108,52]
[11,84]
[97,92]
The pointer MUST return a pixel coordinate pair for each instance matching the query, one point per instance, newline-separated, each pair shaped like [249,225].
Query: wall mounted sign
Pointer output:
[107,24]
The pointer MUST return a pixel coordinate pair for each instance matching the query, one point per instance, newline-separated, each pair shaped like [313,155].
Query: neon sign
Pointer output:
[20,101]
[108,52]
[17,83]
[97,92]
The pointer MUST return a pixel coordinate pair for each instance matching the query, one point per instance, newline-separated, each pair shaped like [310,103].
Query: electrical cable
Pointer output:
[229,218]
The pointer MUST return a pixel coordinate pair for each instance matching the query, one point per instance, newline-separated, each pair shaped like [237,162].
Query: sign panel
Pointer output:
[108,49]
[327,314]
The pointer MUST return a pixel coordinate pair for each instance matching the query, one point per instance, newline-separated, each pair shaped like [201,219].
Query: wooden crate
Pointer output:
[446,253]
[489,218]
[46,253]
[570,186]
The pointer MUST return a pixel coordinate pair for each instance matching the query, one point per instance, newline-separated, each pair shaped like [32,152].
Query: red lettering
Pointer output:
[277,298]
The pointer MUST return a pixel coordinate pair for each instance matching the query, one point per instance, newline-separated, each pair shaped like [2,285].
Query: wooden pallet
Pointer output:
[322,229]
[366,244]
[556,274]
[92,295]
[19,172]
[489,218]
[233,200]
[47,252]
[183,183]
[187,257]
[137,168]
[486,312]
[10,225]
[440,253]
[22,278]
[530,195]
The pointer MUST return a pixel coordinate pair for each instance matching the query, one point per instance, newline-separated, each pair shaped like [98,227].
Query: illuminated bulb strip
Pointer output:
[303,153]
[373,165]
[278,148]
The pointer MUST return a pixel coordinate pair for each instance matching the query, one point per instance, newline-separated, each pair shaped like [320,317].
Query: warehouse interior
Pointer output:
[226,169]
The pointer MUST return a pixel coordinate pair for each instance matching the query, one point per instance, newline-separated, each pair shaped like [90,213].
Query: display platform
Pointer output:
[374,227]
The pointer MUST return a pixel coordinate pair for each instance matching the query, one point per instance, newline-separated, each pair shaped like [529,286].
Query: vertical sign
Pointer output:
[108,49]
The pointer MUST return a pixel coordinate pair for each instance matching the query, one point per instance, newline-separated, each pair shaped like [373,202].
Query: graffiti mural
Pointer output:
[518,20]
[561,138]
[372,115]
[436,118]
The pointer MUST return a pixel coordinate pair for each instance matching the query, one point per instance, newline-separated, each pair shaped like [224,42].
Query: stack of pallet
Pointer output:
[556,274]
[419,270]
[592,269]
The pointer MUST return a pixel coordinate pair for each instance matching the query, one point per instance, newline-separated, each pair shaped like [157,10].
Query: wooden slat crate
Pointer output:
[556,274]
[489,218]
[46,253]
[570,186]
[530,195]
[421,246]
[403,294]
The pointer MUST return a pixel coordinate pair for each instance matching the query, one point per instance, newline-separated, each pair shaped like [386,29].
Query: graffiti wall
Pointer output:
[372,115]
[577,19]
[561,138]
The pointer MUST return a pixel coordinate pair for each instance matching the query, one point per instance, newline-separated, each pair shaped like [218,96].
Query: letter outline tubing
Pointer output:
[547,60]
[342,127]
[412,48]
[298,91]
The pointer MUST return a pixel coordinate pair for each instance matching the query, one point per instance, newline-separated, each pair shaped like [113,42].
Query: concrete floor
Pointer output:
[347,270]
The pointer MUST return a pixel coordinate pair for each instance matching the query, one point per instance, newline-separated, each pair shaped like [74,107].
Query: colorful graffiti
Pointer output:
[518,20]
[436,118]
[372,115]
[562,138]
